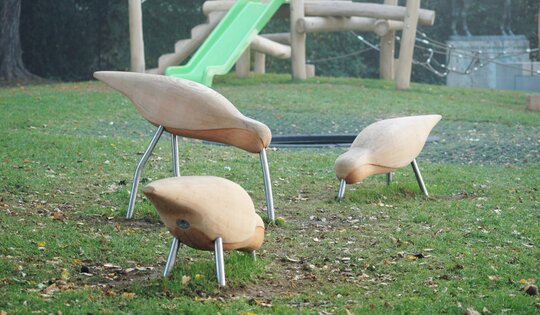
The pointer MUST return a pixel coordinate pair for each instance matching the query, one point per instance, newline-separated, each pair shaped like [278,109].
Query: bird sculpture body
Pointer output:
[189,109]
[385,146]
[199,209]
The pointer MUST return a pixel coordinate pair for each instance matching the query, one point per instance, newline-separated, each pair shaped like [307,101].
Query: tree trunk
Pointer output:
[12,68]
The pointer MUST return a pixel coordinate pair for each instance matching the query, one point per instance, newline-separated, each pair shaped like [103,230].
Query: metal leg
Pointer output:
[341,191]
[220,264]
[389,177]
[254,255]
[419,178]
[176,159]
[172,256]
[137,175]
[267,186]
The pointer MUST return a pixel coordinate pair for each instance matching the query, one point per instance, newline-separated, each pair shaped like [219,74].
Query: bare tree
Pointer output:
[12,68]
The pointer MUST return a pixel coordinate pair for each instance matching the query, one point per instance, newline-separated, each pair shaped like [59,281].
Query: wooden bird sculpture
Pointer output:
[189,109]
[206,213]
[383,147]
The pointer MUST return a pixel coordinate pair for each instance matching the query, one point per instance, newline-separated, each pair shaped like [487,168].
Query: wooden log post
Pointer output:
[136,36]
[406,49]
[260,63]
[243,64]
[298,41]
[387,55]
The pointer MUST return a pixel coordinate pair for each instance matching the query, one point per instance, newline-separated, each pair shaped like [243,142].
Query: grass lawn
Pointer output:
[68,152]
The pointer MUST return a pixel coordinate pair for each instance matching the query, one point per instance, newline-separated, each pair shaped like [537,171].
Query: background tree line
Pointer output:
[70,39]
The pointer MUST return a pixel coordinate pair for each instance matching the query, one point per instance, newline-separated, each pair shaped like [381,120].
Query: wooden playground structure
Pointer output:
[306,16]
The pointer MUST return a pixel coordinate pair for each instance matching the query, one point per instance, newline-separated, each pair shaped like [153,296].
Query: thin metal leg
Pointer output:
[254,255]
[267,186]
[389,177]
[172,256]
[341,191]
[419,178]
[220,264]
[176,159]
[137,175]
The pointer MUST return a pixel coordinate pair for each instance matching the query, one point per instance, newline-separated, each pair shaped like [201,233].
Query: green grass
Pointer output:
[67,156]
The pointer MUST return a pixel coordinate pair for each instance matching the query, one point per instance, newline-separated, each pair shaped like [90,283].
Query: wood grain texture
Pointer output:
[385,146]
[188,108]
[199,209]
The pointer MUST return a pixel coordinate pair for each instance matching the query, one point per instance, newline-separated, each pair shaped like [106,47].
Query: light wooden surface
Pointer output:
[371,10]
[243,64]
[388,48]
[185,47]
[189,109]
[298,41]
[136,36]
[199,209]
[316,24]
[406,48]
[259,63]
[282,38]
[385,146]
[270,47]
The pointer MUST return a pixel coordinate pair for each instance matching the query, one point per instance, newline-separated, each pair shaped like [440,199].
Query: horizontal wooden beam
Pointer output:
[369,10]
[277,50]
[282,38]
[315,24]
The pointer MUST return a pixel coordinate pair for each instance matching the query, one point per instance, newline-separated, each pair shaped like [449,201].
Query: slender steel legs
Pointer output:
[175,158]
[341,191]
[267,186]
[419,178]
[175,244]
[172,256]
[137,175]
[389,177]
[220,264]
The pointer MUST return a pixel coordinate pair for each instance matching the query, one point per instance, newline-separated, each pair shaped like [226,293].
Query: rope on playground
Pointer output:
[432,47]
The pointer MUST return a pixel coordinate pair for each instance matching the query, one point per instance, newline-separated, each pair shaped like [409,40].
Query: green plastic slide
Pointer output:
[227,41]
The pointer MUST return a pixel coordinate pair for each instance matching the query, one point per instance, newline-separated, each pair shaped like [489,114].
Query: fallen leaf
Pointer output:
[58,216]
[185,280]
[128,295]
[472,311]
[50,289]
[111,266]
[294,260]
[65,274]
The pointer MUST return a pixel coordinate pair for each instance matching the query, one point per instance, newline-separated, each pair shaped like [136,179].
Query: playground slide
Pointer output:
[227,41]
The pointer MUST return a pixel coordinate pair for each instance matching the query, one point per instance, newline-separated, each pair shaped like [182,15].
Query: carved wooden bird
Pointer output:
[383,147]
[207,213]
[199,209]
